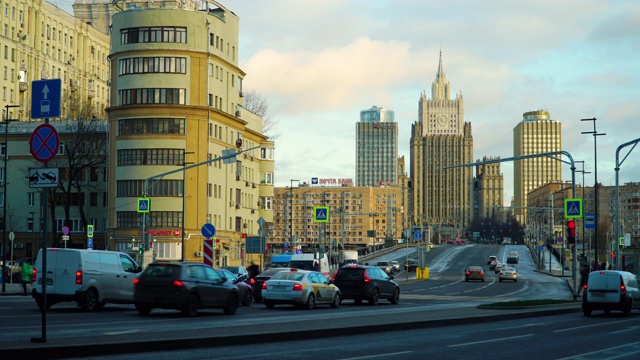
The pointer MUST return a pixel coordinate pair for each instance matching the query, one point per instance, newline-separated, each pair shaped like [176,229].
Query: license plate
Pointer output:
[597,294]
[279,287]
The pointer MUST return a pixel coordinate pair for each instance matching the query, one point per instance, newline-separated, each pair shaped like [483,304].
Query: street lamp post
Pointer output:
[5,121]
[595,162]
[184,170]
[583,234]
[291,212]
[33,225]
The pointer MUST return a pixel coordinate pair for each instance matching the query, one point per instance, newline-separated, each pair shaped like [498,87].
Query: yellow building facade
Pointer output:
[177,105]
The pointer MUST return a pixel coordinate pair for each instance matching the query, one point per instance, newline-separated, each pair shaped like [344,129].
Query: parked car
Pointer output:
[611,290]
[368,283]
[411,265]
[474,273]
[508,273]
[302,288]
[256,283]
[245,291]
[385,266]
[184,286]
[240,272]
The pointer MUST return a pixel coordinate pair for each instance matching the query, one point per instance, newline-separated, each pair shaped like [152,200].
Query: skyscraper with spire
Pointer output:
[441,138]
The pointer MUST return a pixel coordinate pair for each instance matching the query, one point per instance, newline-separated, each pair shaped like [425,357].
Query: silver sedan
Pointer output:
[302,288]
[508,273]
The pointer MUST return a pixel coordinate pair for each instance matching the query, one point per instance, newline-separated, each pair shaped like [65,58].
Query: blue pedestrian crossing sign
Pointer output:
[321,214]
[572,208]
[144,205]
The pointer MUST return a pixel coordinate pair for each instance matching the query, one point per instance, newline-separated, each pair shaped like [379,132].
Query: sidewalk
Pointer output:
[14,289]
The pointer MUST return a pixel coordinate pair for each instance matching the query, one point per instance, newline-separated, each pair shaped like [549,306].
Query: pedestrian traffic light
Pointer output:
[140,248]
[571,232]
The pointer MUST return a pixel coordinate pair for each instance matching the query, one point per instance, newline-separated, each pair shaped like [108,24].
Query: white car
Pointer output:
[395,265]
[301,288]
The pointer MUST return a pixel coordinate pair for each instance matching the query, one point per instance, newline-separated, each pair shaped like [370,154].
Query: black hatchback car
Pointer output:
[369,283]
[256,283]
[183,286]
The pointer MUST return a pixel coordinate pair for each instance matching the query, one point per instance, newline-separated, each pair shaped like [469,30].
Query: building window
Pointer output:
[160,219]
[93,199]
[31,199]
[151,126]
[153,96]
[150,157]
[162,188]
[167,34]
[146,65]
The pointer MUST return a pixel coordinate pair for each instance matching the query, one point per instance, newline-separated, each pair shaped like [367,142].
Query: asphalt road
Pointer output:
[446,299]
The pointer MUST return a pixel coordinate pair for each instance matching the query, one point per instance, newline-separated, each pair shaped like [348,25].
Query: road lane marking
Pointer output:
[123,332]
[624,353]
[593,325]
[492,340]
[378,355]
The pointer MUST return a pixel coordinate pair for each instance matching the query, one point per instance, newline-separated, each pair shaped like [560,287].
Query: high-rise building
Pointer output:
[537,133]
[488,190]
[178,102]
[376,148]
[439,139]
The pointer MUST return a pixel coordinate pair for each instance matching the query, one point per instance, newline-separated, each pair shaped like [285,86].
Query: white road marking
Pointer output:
[492,340]
[377,355]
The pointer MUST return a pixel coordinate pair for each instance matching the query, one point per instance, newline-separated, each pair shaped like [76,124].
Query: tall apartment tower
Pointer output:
[488,190]
[376,148]
[441,138]
[535,134]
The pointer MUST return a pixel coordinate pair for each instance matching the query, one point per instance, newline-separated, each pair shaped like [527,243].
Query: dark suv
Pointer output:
[369,283]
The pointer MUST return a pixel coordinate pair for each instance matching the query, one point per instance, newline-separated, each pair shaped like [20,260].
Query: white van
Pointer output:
[611,290]
[311,262]
[91,278]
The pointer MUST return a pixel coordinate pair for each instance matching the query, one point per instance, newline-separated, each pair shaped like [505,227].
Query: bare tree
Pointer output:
[257,104]
[86,147]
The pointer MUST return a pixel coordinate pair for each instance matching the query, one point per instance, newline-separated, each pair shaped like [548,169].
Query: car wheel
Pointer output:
[90,300]
[466,279]
[269,304]
[311,302]
[192,305]
[395,298]
[358,301]
[516,280]
[482,279]
[499,280]
[586,311]
[248,298]
[232,304]
[373,301]
[143,309]
[336,300]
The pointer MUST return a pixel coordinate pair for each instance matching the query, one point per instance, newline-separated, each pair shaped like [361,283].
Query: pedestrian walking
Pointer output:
[584,278]
[26,271]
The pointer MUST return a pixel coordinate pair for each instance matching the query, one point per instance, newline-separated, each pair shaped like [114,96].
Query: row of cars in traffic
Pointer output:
[94,278]
[504,270]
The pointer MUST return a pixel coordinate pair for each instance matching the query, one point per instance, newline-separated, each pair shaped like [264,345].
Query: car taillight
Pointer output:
[366,277]
[178,283]
[481,272]
[468,272]
[264,286]
[514,273]
[252,281]
[34,275]
[136,281]
[501,273]
[623,291]
[333,278]
[297,287]
[79,277]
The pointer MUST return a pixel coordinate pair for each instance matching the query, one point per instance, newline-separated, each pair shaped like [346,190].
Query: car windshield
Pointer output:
[383,263]
[288,275]
[350,274]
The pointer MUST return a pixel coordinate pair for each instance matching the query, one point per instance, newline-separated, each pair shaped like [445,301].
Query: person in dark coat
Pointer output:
[253,270]
[584,278]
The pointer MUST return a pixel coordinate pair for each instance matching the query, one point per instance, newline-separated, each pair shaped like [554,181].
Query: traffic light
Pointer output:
[140,248]
[571,232]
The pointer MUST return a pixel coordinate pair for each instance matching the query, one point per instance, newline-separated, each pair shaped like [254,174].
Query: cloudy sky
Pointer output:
[319,63]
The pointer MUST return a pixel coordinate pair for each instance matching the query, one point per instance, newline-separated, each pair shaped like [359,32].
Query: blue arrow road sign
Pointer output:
[208,230]
[418,235]
[45,98]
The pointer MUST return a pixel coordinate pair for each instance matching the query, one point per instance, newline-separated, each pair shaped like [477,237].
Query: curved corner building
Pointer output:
[177,102]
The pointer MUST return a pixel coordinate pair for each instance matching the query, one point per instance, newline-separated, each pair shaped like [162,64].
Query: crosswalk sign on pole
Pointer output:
[321,214]
[143,205]
[573,208]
